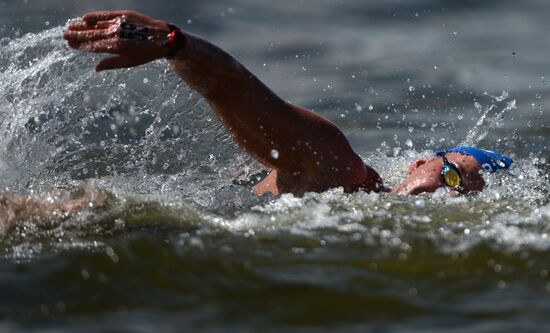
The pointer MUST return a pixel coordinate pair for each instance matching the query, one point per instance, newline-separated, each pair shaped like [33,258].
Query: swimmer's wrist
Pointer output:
[175,41]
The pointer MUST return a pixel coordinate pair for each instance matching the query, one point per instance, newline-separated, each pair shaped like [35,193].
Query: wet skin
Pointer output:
[425,175]
[311,153]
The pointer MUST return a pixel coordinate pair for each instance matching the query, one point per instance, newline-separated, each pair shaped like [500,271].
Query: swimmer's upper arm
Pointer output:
[282,136]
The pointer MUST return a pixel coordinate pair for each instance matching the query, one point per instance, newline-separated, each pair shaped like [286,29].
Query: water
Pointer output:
[179,244]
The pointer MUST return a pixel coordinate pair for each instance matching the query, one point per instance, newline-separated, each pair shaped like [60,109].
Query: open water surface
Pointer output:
[181,246]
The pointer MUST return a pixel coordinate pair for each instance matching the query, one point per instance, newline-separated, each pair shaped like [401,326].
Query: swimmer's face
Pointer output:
[425,175]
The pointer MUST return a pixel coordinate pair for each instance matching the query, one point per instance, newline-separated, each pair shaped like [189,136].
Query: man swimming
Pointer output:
[459,169]
[305,152]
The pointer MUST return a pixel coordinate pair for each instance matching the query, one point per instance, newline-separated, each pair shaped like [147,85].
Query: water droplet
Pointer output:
[538,96]
[411,88]
[176,130]
[409,143]
[274,154]
[145,80]
[371,107]
[514,53]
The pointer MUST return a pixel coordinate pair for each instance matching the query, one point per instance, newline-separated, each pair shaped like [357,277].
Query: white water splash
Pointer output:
[491,118]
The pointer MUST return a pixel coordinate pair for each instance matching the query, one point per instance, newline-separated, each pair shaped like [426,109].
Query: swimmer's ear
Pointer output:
[415,165]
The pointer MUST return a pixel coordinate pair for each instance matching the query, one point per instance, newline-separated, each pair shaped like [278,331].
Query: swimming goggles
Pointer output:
[451,175]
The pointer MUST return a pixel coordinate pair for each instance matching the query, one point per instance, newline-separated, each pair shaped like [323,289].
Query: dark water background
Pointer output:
[181,248]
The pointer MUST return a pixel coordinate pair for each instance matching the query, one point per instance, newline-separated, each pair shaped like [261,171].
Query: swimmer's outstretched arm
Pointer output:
[308,152]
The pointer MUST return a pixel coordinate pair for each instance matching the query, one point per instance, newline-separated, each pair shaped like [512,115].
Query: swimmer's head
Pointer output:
[458,169]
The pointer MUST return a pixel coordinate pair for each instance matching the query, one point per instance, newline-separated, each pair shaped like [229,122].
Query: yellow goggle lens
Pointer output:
[452,178]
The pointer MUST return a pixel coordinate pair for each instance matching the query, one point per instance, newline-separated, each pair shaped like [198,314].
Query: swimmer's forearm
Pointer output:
[277,133]
[282,136]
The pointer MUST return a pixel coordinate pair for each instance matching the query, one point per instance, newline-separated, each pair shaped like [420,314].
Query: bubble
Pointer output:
[371,107]
[411,88]
[274,154]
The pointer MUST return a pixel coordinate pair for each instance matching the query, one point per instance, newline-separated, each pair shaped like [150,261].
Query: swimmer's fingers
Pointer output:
[74,45]
[93,17]
[113,45]
[128,53]
[89,35]
[124,15]
[82,25]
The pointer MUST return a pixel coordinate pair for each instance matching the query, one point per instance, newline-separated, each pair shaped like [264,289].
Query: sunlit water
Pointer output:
[181,244]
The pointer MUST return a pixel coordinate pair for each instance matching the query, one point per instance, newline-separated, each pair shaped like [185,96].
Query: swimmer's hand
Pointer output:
[134,38]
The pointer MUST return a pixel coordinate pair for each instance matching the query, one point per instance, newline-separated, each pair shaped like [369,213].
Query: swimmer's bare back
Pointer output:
[306,152]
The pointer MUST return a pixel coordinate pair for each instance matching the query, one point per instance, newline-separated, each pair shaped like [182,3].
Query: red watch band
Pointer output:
[175,41]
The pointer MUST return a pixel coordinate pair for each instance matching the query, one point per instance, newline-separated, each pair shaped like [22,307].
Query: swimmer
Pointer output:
[459,169]
[305,152]
[15,209]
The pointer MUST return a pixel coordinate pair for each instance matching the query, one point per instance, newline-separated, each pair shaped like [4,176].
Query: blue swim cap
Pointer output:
[490,161]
